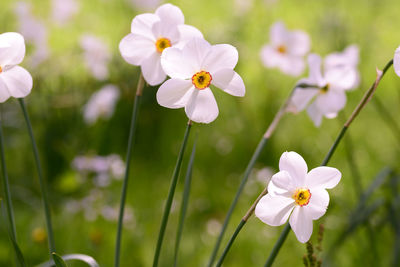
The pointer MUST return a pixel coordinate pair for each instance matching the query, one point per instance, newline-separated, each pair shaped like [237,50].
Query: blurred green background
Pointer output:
[62,86]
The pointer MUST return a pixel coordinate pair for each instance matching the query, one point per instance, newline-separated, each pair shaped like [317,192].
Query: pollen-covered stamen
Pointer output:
[281,49]
[162,43]
[302,196]
[1,70]
[201,79]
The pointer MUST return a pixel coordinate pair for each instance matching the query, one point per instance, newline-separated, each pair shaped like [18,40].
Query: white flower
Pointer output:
[97,56]
[145,4]
[150,35]
[101,104]
[330,96]
[286,50]
[192,70]
[15,81]
[294,192]
[63,10]
[396,61]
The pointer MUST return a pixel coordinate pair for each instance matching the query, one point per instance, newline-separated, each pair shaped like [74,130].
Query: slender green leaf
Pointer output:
[58,260]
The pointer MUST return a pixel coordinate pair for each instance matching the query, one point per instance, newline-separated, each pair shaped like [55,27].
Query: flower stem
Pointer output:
[278,245]
[132,131]
[171,193]
[42,181]
[185,201]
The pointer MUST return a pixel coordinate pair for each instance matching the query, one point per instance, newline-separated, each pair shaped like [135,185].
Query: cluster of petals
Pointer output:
[192,70]
[15,81]
[286,50]
[396,61]
[297,195]
[150,35]
[327,88]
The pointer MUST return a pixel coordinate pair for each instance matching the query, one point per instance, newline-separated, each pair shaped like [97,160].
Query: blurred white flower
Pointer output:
[294,192]
[101,104]
[192,70]
[328,91]
[396,61]
[145,4]
[63,10]
[264,175]
[286,50]
[242,7]
[15,81]
[97,56]
[150,35]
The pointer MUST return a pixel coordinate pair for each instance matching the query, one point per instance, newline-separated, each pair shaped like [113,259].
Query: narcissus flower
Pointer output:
[296,193]
[328,91]
[150,35]
[396,61]
[286,50]
[15,81]
[192,70]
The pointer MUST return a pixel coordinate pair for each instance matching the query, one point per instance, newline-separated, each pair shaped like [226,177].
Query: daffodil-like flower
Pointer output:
[396,61]
[192,70]
[15,81]
[150,35]
[297,193]
[328,89]
[286,50]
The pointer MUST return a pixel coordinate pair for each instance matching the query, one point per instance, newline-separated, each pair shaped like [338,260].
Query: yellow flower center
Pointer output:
[302,196]
[281,49]
[162,43]
[201,80]
[39,235]
[1,70]
[324,89]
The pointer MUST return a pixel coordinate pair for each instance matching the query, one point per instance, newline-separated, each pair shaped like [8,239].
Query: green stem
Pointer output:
[278,245]
[171,193]
[42,181]
[185,202]
[228,246]
[131,138]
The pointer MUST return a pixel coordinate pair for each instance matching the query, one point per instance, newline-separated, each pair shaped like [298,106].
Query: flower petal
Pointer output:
[186,33]
[315,114]
[300,99]
[170,14]
[315,76]
[4,93]
[136,48]
[342,78]
[278,34]
[292,65]
[323,177]
[331,102]
[166,30]
[274,210]
[301,224]
[298,43]
[295,165]
[281,183]
[12,49]
[174,93]
[152,70]
[18,81]
[175,64]
[195,51]
[202,106]
[142,24]
[396,61]
[318,204]
[270,56]
[229,81]
[221,56]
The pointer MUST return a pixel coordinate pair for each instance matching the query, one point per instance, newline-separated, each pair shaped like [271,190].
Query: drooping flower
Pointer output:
[192,70]
[97,56]
[328,90]
[396,61]
[150,35]
[101,104]
[296,193]
[15,81]
[286,50]
[63,10]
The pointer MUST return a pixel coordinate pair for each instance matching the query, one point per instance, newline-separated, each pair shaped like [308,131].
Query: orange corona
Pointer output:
[162,43]
[201,80]
[302,196]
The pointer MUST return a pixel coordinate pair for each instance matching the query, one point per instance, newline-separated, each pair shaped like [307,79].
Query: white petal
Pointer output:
[295,165]
[315,114]
[298,43]
[174,93]
[314,63]
[175,64]
[342,78]
[349,57]
[270,56]
[318,204]
[202,106]
[170,14]
[152,70]
[221,56]
[301,224]
[281,183]
[4,93]
[166,30]
[323,177]
[229,81]
[136,48]
[331,101]
[396,61]
[292,65]
[142,24]
[278,33]
[18,81]
[12,48]
[195,51]
[301,97]
[274,210]
[186,33]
